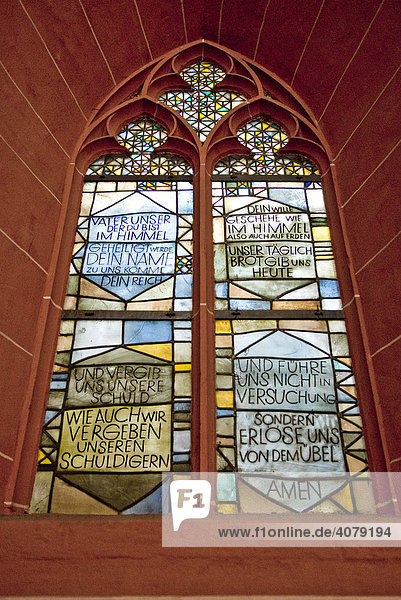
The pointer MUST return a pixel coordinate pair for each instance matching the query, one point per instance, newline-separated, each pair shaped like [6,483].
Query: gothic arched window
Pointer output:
[205,157]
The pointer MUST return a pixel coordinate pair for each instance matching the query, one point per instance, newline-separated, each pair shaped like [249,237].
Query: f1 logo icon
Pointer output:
[190,499]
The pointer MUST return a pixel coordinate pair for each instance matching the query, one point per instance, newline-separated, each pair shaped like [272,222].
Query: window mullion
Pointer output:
[204,394]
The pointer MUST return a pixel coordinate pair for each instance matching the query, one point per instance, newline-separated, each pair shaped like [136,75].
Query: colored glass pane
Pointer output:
[140,138]
[272,247]
[203,106]
[114,421]
[264,138]
[133,248]
[294,407]
[119,406]
[286,401]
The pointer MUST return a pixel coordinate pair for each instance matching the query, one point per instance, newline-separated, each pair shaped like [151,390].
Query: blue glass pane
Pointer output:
[352,411]
[292,197]
[182,406]
[58,385]
[185,202]
[50,414]
[341,366]
[221,290]
[183,286]
[147,332]
[249,304]
[225,412]
[182,304]
[151,504]
[80,253]
[181,457]
[343,397]
[329,288]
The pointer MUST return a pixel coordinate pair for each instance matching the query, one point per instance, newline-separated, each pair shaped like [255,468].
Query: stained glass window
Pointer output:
[119,407]
[275,231]
[203,106]
[264,138]
[133,247]
[140,137]
[286,399]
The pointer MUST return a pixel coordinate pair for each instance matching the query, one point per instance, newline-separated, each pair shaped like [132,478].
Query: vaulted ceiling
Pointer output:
[59,59]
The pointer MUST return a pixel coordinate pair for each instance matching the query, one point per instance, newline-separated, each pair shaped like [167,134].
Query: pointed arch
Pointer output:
[139,96]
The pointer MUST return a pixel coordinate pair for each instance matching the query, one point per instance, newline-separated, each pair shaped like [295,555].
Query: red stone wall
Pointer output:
[59,60]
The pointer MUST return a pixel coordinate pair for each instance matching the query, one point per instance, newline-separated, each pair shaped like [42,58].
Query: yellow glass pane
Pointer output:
[41,456]
[344,498]
[295,304]
[355,465]
[183,367]
[364,498]
[321,234]
[223,326]
[347,426]
[77,247]
[358,445]
[225,398]
[179,476]
[158,440]
[181,426]
[252,502]
[325,507]
[67,327]
[64,343]
[350,389]
[67,499]
[182,384]
[253,325]
[163,351]
[342,407]
[99,304]
[227,509]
